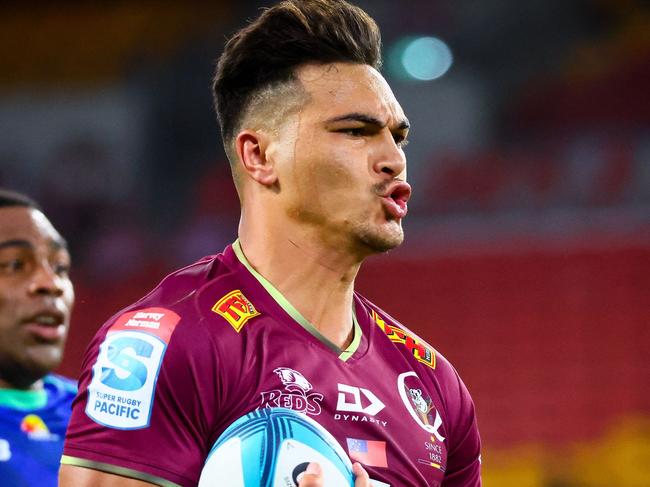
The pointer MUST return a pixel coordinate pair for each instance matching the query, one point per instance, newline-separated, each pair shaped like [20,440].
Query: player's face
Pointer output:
[36,296]
[341,165]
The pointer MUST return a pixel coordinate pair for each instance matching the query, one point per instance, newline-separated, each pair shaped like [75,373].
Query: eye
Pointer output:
[61,269]
[13,265]
[401,140]
[353,131]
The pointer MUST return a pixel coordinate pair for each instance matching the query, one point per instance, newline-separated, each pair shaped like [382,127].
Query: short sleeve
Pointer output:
[145,406]
[464,457]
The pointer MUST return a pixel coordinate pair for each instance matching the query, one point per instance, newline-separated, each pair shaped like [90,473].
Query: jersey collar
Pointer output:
[23,400]
[279,298]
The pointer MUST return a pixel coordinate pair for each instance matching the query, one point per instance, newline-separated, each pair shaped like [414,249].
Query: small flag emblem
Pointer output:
[368,452]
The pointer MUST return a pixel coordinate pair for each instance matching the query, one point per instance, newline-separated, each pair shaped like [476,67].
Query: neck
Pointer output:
[316,277]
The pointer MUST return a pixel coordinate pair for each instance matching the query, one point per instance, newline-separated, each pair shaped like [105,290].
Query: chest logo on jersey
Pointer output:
[236,309]
[421,408]
[121,392]
[357,404]
[420,350]
[296,394]
[36,429]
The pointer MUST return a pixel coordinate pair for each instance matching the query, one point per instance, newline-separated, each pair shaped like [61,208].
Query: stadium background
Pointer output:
[527,260]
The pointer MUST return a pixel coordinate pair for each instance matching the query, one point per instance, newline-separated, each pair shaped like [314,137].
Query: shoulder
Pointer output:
[183,283]
[411,345]
[432,366]
[60,391]
[437,374]
[166,322]
[171,299]
[60,383]
[175,321]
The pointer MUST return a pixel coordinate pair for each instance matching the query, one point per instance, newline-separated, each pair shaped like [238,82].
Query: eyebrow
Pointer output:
[26,244]
[16,243]
[369,119]
[59,243]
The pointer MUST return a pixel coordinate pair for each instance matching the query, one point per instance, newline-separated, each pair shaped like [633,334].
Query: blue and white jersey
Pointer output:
[32,429]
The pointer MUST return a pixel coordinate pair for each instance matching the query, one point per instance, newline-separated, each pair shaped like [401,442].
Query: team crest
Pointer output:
[293,380]
[420,350]
[236,309]
[422,410]
[419,405]
[296,394]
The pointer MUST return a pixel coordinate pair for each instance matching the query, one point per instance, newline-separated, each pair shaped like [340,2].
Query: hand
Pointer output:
[313,476]
[361,478]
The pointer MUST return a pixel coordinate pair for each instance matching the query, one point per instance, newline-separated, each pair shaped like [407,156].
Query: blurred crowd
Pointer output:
[141,175]
[116,139]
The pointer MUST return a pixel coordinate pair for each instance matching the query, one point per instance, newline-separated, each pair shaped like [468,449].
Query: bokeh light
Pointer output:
[420,58]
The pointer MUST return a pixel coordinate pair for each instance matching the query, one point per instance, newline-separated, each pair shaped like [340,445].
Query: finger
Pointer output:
[313,476]
[361,476]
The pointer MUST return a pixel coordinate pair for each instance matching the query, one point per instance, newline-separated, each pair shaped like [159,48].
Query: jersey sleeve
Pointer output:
[146,394]
[464,457]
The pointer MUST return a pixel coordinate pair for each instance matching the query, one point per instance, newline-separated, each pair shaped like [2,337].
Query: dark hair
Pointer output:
[282,38]
[12,198]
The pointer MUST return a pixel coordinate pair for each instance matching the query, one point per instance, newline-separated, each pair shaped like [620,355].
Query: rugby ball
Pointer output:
[271,447]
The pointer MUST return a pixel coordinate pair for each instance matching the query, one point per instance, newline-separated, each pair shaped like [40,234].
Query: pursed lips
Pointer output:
[395,198]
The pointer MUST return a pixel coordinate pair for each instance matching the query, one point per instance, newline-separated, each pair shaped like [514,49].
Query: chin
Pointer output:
[46,359]
[384,239]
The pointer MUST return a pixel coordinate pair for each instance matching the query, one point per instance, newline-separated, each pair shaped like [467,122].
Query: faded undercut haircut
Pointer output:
[257,70]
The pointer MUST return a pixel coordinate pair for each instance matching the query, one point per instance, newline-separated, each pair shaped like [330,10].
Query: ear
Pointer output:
[251,148]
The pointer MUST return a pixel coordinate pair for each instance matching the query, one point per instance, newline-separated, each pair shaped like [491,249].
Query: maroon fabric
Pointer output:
[394,389]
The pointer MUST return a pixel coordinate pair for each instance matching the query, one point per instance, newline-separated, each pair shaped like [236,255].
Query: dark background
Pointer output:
[527,257]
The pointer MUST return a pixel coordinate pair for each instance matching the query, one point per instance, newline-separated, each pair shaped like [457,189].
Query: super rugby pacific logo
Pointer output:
[296,394]
[122,389]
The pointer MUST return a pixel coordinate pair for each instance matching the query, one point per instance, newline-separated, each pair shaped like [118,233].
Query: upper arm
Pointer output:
[464,457]
[142,397]
[73,476]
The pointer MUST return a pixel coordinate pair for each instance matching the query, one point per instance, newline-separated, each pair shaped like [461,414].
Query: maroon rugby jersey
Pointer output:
[165,377]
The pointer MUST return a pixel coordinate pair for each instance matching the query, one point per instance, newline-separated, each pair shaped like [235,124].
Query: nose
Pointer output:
[390,157]
[46,282]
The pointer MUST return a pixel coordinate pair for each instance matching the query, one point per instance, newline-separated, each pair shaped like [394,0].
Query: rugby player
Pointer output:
[315,139]
[36,299]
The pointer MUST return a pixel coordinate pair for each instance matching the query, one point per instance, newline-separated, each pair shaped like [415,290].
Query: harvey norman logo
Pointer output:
[358,400]
[144,319]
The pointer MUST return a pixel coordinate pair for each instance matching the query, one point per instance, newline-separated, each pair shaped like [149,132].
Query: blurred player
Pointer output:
[36,299]
[315,139]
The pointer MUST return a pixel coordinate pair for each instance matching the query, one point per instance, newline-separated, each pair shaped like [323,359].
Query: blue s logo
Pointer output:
[136,370]
[121,392]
